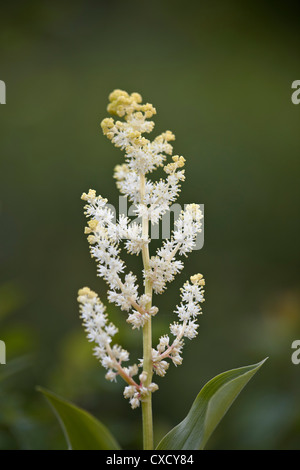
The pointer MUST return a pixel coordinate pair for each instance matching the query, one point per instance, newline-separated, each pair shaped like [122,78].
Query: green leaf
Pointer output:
[208,409]
[82,430]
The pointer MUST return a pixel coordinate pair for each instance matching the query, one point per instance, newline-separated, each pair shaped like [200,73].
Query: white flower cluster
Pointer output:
[99,331]
[102,225]
[142,156]
[192,295]
[152,200]
[158,195]
[137,394]
[104,237]
[164,265]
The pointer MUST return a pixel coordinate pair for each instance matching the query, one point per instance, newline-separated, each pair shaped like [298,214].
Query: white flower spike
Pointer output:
[152,200]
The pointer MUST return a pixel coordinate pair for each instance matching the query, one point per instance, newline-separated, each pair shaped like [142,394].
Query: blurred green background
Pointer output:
[219,74]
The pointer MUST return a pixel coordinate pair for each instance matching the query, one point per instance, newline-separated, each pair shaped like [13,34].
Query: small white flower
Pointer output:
[108,362]
[143,376]
[129,391]
[111,376]
[152,387]
[163,343]
[134,402]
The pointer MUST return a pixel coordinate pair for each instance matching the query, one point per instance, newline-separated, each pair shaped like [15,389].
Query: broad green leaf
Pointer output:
[208,409]
[82,430]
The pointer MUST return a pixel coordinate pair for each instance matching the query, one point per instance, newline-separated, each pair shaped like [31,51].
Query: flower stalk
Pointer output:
[147,333]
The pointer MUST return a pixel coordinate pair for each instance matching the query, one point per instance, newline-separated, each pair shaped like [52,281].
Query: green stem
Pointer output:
[147,336]
[147,402]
